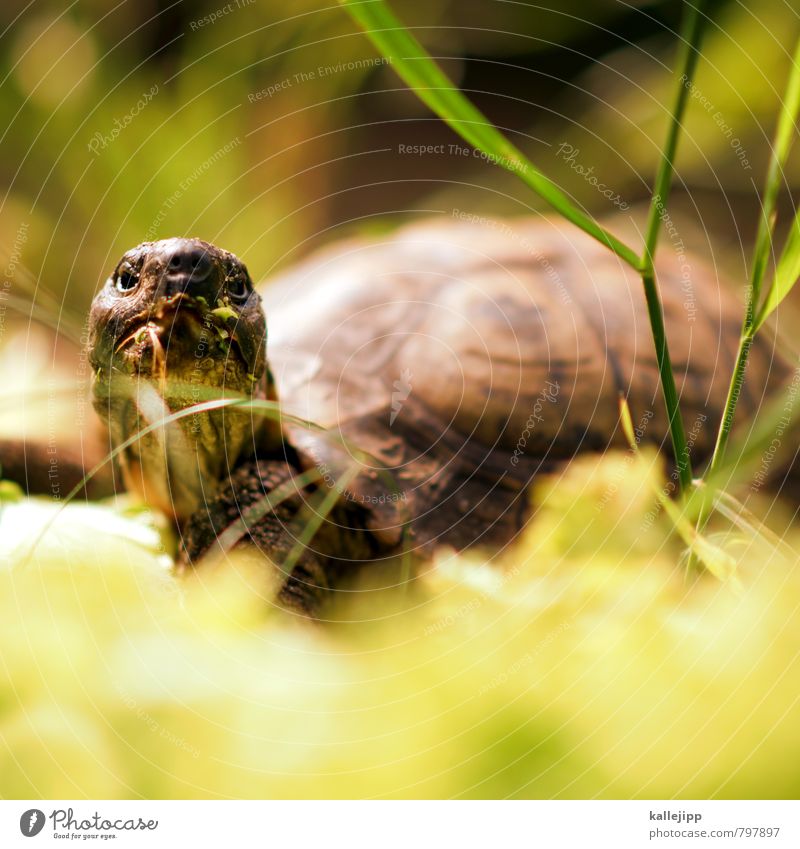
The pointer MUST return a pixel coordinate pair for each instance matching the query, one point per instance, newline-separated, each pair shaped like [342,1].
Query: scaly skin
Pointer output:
[335,550]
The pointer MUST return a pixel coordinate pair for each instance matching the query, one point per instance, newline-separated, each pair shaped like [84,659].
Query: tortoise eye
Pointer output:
[126,278]
[237,287]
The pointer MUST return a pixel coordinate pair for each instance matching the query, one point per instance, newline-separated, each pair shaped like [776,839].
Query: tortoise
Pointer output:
[443,368]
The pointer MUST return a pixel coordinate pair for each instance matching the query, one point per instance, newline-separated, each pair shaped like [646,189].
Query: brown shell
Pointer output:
[465,357]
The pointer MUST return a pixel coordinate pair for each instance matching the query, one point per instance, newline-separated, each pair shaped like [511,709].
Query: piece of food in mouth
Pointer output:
[185,339]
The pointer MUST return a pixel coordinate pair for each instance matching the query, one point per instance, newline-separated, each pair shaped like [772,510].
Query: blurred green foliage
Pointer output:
[583,664]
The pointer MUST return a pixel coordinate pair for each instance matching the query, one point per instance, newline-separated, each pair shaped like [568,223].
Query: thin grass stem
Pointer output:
[784,137]
[691,33]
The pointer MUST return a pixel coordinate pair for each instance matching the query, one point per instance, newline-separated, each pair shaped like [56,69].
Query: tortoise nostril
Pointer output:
[191,262]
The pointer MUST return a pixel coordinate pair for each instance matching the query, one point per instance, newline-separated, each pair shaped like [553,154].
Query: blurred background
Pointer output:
[273,129]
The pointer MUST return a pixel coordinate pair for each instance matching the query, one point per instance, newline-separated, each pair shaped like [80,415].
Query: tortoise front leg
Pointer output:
[235,516]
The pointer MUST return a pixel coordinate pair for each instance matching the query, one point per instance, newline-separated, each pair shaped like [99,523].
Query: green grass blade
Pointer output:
[415,66]
[747,450]
[788,266]
[251,516]
[785,135]
[687,61]
[786,274]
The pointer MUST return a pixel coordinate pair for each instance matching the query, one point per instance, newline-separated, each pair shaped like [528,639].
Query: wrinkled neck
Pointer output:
[177,463]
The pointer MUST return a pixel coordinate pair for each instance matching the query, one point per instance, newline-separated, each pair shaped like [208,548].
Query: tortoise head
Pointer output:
[178,323]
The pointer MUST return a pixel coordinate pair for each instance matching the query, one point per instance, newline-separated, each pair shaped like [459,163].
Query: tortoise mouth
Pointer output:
[179,333]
